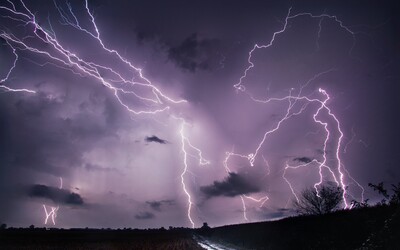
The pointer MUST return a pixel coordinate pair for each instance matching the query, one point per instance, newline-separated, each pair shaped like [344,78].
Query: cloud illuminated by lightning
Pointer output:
[156,101]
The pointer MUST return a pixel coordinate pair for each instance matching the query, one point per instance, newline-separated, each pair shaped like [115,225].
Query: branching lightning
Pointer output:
[60,55]
[317,117]
[240,86]
[6,78]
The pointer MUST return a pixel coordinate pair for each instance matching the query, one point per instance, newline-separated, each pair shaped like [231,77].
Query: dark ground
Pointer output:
[97,239]
[365,228]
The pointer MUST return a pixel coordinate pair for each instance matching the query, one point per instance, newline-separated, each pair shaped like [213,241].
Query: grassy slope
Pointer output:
[351,229]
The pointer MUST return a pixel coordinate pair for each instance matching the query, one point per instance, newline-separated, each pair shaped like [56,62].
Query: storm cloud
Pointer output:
[55,194]
[194,53]
[233,185]
[303,159]
[156,139]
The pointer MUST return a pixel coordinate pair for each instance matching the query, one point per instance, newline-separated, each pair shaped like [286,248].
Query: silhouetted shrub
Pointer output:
[327,200]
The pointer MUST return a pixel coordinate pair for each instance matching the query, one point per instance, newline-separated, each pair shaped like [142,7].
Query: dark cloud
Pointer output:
[144,216]
[154,138]
[303,159]
[232,186]
[194,53]
[55,194]
[156,205]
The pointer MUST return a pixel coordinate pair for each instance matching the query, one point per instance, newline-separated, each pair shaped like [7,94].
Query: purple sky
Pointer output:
[121,169]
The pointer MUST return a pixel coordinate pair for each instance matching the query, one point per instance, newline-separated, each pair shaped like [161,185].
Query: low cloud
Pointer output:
[55,194]
[303,159]
[156,139]
[233,185]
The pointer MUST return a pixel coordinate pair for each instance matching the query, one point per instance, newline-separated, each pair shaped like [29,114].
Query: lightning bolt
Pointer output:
[7,76]
[186,145]
[243,197]
[52,213]
[240,86]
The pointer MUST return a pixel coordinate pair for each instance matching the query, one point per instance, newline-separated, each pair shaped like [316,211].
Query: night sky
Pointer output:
[73,137]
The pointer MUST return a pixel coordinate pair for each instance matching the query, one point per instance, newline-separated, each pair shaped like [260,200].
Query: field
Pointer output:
[96,239]
[365,228]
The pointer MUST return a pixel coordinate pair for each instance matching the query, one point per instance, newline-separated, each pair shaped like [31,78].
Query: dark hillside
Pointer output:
[373,227]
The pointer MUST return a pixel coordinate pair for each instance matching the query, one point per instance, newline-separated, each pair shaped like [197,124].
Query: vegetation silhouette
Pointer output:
[326,200]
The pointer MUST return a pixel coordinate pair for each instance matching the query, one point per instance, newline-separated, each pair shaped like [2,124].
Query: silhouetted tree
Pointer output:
[359,204]
[205,230]
[205,225]
[3,226]
[327,200]
[393,199]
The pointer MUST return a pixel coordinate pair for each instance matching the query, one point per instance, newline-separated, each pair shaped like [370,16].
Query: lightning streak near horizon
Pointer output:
[186,145]
[50,214]
[337,172]
[53,210]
